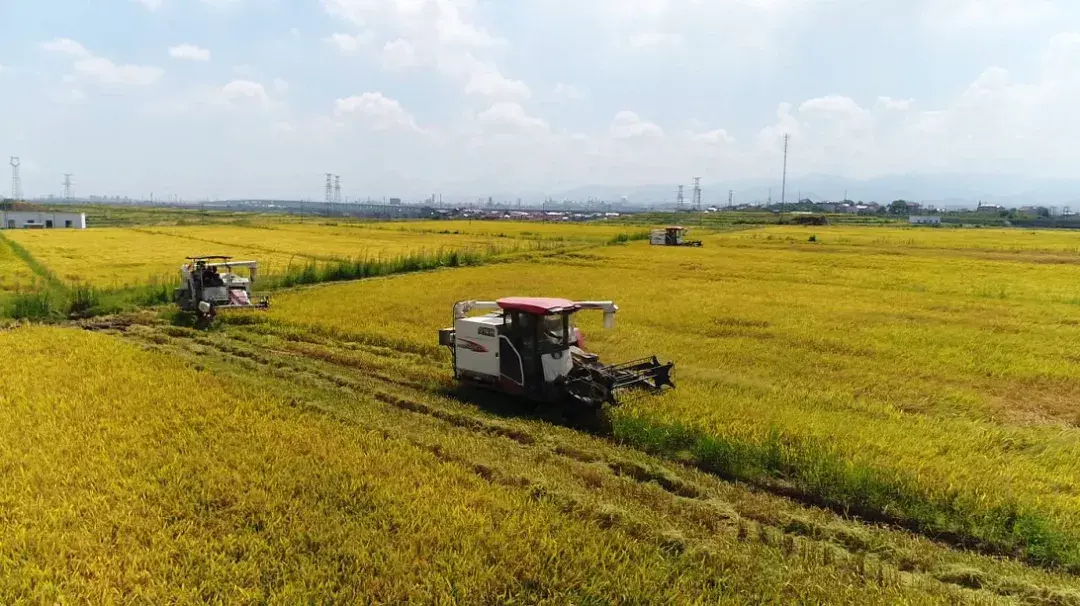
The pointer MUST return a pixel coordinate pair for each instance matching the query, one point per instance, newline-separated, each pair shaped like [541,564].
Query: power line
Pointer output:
[16,180]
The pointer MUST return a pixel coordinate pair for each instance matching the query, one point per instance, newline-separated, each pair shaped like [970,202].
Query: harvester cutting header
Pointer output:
[530,347]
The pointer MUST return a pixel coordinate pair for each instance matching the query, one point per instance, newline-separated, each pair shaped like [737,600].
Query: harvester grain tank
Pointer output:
[209,283]
[671,236]
[530,347]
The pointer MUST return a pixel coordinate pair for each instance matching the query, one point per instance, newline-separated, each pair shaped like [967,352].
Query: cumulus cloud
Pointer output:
[628,125]
[568,92]
[511,117]
[65,46]
[399,54]
[189,52]
[86,64]
[648,40]
[444,34]
[350,44]
[377,110]
[245,92]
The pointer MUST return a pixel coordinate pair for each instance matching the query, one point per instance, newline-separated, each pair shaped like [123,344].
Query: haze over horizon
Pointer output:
[258,98]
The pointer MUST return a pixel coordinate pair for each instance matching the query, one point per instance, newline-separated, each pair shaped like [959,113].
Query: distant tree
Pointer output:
[1042,211]
[898,207]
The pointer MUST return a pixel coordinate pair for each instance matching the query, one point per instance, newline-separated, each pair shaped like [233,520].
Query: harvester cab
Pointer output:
[530,347]
[210,283]
[671,236]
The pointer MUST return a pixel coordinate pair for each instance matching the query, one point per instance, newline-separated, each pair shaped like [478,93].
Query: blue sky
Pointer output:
[229,98]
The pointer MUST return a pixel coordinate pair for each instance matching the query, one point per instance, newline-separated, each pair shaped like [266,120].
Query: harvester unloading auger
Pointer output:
[530,347]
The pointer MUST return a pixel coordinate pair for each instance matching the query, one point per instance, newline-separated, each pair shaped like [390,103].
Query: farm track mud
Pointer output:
[597,467]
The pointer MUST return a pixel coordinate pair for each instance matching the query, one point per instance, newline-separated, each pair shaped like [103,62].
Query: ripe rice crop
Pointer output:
[931,383]
[554,230]
[15,274]
[138,476]
[334,241]
[118,257]
[115,258]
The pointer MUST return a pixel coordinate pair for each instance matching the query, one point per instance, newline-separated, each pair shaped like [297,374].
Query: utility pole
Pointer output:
[783,183]
[67,186]
[337,189]
[697,194]
[16,180]
[680,199]
[329,188]
[730,198]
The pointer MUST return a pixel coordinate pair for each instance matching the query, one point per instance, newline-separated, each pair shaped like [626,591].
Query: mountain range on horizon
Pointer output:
[944,190]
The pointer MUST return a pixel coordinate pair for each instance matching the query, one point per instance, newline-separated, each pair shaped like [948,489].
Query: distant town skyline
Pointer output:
[253,98]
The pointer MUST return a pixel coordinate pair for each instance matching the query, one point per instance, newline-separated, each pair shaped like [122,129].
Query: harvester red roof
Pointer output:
[537,305]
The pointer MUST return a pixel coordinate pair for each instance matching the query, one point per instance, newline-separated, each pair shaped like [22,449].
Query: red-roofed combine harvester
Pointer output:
[531,348]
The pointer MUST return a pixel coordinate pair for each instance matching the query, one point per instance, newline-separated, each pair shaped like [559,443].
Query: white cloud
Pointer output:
[483,78]
[377,110]
[280,86]
[511,117]
[245,91]
[568,92]
[399,54]
[350,44]
[445,34]
[713,137]
[189,52]
[99,68]
[66,46]
[649,40]
[984,15]
[150,4]
[107,72]
[628,125]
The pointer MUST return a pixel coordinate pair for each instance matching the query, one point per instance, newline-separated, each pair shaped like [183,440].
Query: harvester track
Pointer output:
[695,506]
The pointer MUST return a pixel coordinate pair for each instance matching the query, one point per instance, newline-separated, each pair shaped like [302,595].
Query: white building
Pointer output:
[924,220]
[33,219]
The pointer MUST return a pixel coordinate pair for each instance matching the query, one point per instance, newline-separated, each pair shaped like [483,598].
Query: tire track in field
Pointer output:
[796,538]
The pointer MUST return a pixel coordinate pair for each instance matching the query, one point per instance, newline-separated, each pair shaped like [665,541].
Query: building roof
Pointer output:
[537,305]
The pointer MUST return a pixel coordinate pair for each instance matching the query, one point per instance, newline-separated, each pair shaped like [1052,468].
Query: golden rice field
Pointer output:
[127,257]
[333,241]
[863,415]
[14,273]
[556,230]
[942,382]
[149,475]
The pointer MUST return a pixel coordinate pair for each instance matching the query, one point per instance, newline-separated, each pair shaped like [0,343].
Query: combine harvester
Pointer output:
[205,288]
[529,347]
[671,236]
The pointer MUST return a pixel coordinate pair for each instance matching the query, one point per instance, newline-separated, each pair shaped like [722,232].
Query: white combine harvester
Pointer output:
[530,347]
[209,283]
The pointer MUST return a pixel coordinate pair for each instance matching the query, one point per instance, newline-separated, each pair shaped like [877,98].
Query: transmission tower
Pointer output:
[783,184]
[680,199]
[337,189]
[16,180]
[67,186]
[329,188]
[730,197]
[697,194]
